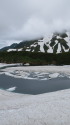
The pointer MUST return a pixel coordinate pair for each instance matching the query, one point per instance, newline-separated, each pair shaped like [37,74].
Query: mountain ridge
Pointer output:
[53,43]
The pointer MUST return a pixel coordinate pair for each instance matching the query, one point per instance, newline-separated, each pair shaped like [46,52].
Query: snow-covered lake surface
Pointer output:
[45,109]
[35,72]
[9,65]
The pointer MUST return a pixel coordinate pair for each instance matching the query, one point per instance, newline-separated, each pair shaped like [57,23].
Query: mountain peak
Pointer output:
[53,43]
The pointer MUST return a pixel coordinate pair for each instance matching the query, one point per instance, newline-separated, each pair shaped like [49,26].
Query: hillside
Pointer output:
[54,43]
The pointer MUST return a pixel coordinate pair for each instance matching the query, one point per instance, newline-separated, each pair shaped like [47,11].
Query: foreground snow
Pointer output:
[46,109]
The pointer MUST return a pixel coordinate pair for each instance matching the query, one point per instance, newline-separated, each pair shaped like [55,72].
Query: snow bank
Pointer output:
[27,64]
[4,64]
[11,89]
[60,69]
[9,50]
[40,72]
[45,109]
[54,75]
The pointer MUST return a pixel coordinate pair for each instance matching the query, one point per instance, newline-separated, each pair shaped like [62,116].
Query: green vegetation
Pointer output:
[35,58]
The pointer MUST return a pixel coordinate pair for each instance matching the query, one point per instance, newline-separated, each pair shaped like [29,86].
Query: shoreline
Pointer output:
[60,69]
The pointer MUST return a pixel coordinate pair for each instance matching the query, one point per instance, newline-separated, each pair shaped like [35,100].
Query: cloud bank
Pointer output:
[30,19]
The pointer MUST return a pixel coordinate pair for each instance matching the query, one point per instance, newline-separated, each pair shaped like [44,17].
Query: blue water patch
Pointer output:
[34,87]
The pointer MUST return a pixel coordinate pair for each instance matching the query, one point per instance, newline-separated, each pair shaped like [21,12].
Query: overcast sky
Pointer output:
[30,19]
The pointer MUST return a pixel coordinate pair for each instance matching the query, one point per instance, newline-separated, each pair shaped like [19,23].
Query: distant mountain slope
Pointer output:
[9,47]
[54,43]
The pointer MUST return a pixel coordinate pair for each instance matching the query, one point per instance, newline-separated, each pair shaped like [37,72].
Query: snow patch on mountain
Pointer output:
[53,43]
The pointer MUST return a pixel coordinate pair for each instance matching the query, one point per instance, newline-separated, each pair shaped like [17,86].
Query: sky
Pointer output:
[31,19]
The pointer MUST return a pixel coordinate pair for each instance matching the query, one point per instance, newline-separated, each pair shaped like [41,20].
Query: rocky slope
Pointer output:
[54,43]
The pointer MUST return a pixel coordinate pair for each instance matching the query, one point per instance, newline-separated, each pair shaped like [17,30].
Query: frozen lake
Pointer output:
[27,86]
[35,109]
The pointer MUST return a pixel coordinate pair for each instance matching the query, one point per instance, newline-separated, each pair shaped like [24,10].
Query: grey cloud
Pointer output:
[30,19]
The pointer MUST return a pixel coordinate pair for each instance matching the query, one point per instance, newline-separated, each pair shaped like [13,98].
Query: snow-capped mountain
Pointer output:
[54,43]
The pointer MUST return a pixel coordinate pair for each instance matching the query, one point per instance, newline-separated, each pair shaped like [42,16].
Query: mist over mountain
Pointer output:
[54,43]
[31,19]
